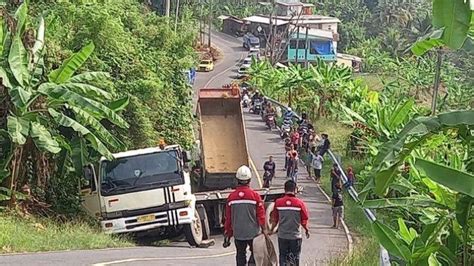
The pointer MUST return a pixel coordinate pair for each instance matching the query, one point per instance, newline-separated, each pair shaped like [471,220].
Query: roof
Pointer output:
[265,20]
[222,17]
[314,34]
[310,19]
[139,152]
[348,56]
[209,93]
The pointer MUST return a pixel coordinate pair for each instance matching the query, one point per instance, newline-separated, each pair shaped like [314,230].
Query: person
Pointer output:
[326,144]
[350,176]
[292,171]
[335,177]
[295,138]
[317,164]
[288,148]
[268,166]
[257,96]
[290,214]
[337,206]
[244,216]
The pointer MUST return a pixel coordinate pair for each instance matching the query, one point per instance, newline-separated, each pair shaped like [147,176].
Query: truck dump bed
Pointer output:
[223,140]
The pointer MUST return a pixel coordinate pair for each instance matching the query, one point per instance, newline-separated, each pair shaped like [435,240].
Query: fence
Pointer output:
[383,256]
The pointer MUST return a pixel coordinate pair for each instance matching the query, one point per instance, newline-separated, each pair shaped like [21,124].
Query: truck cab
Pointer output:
[250,41]
[142,190]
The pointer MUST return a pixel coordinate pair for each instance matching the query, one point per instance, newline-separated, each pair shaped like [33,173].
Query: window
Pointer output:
[321,47]
[293,44]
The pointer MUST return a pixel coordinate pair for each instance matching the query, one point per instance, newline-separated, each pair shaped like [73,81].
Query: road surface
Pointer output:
[325,243]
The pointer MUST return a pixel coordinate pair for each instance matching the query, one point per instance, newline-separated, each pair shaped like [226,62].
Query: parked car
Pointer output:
[254,52]
[243,72]
[206,65]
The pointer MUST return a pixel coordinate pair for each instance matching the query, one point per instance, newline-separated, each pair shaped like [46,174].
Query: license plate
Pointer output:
[146,218]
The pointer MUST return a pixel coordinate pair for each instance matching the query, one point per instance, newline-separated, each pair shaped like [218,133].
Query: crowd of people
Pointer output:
[245,213]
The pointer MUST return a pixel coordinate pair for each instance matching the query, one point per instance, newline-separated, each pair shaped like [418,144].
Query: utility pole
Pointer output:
[201,20]
[297,43]
[167,8]
[210,23]
[437,80]
[177,15]
[306,64]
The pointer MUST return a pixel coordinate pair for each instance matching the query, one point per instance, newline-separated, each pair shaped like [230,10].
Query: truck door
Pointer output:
[90,192]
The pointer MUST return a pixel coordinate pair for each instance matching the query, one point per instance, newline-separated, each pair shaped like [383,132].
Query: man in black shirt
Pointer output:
[326,144]
[269,168]
[337,206]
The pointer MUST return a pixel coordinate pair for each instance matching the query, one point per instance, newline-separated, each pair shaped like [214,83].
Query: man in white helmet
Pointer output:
[245,216]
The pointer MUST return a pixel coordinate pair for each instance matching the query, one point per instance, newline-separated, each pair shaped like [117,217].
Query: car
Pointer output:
[254,52]
[206,65]
[247,62]
[243,72]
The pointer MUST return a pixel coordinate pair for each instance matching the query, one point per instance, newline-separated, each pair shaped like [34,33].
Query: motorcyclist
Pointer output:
[269,111]
[257,96]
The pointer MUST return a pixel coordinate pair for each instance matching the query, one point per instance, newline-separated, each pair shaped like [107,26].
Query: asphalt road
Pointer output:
[324,244]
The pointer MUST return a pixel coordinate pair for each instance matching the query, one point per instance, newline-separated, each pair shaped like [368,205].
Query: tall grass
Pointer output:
[19,234]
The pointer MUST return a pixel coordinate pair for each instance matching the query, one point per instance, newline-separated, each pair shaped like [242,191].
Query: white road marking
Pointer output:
[222,72]
[259,179]
[163,258]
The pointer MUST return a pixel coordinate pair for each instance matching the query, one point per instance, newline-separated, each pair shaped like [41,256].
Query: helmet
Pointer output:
[243,173]
[288,109]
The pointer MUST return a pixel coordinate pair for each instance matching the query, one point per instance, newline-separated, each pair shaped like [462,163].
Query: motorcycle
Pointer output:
[245,101]
[285,130]
[257,107]
[270,121]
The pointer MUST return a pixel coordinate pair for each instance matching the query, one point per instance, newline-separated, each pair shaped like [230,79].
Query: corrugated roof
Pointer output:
[265,20]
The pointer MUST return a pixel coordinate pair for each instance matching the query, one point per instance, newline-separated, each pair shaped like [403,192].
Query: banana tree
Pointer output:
[50,113]
[328,81]
[440,204]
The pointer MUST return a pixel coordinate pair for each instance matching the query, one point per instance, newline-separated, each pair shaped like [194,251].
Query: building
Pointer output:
[233,25]
[292,21]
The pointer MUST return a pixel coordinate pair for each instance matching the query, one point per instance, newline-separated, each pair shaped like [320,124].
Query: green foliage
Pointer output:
[20,234]
[144,56]
[43,117]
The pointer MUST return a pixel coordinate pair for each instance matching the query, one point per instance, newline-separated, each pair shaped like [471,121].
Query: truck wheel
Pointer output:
[193,232]
[206,230]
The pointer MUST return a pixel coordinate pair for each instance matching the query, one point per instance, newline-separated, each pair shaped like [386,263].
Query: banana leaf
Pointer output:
[454,179]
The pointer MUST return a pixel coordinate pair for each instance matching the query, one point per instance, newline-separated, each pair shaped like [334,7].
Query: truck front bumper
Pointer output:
[148,221]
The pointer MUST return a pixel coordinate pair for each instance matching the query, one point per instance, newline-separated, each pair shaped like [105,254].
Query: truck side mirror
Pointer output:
[90,177]
[187,156]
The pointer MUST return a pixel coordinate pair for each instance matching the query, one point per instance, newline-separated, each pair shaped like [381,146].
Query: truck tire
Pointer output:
[193,232]
[206,231]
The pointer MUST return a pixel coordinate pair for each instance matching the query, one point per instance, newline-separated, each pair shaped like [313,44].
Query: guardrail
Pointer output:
[384,257]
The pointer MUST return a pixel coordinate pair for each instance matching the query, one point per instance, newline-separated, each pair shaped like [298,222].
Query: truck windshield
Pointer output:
[140,172]
[254,41]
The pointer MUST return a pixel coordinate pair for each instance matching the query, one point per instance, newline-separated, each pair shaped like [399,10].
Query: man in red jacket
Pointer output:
[290,214]
[244,217]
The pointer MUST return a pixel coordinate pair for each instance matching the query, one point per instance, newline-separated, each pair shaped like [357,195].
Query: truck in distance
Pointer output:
[250,41]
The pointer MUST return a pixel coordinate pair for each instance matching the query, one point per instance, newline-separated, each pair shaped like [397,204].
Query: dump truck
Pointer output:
[151,191]
[222,137]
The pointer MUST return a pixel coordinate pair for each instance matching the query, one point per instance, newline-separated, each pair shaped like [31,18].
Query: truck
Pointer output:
[250,41]
[153,190]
